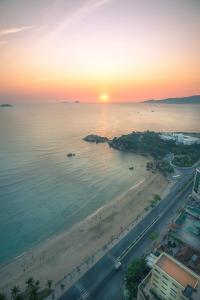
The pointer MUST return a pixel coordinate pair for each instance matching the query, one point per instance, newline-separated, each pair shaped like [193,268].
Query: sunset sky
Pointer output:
[98,50]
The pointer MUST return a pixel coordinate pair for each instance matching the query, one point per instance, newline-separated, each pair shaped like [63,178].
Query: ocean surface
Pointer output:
[42,191]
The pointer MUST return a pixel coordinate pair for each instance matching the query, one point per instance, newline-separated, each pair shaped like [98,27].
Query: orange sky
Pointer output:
[81,50]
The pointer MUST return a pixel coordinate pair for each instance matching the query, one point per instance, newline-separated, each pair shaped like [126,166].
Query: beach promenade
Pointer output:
[92,283]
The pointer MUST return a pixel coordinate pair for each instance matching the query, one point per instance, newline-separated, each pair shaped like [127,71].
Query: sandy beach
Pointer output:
[60,255]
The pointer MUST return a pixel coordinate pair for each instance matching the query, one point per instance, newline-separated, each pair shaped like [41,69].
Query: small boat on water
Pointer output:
[71,154]
[131,168]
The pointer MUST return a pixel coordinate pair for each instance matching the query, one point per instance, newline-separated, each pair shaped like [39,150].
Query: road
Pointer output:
[102,281]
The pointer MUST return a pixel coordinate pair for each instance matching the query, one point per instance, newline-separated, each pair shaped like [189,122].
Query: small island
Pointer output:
[6,105]
[93,138]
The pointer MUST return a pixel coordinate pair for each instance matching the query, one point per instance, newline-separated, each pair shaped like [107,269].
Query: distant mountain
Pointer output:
[183,100]
[5,105]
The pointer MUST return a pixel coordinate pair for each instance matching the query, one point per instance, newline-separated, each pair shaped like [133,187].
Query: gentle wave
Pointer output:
[42,191]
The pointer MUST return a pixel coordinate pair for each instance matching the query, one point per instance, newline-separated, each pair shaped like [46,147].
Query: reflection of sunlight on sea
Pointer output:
[43,191]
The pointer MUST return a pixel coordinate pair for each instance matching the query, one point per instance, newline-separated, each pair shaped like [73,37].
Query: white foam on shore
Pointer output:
[137,184]
[121,196]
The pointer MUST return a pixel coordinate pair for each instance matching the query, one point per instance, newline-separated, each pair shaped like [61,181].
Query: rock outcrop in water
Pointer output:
[93,138]
[71,154]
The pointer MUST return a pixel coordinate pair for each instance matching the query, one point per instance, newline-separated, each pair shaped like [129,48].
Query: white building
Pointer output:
[169,280]
[180,138]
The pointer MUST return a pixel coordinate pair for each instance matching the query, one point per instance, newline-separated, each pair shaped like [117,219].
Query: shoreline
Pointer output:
[85,239]
[52,237]
[141,160]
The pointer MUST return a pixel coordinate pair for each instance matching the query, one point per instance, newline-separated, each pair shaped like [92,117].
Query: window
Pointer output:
[165,277]
[154,280]
[174,285]
[173,291]
[173,295]
[163,292]
[156,271]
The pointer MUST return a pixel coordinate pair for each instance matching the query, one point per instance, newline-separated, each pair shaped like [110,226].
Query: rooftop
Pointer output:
[176,270]
[188,229]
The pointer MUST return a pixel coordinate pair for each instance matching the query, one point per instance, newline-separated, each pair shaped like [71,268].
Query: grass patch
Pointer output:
[154,236]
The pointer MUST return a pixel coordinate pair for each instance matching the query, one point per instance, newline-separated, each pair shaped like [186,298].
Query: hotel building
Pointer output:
[169,280]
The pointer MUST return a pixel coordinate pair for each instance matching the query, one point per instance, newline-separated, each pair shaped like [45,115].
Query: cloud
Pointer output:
[79,14]
[13,30]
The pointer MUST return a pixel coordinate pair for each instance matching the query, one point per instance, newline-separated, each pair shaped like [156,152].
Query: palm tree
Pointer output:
[2,296]
[37,284]
[33,293]
[32,288]
[30,282]
[49,284]
[15,292]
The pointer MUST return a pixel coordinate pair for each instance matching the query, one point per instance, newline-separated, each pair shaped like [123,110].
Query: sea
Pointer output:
[42,191]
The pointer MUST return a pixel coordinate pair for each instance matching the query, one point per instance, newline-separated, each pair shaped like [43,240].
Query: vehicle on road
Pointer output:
[118,265]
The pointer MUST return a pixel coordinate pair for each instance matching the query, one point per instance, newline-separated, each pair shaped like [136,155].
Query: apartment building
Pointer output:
[169,280]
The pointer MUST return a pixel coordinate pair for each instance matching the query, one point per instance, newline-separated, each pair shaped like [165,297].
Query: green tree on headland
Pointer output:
[150,143]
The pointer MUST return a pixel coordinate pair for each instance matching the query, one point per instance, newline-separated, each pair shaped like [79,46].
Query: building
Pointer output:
[196,186]
[186,228]
[169,280]
[180,138]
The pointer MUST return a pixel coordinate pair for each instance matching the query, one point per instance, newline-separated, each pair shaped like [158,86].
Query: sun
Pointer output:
[104,97]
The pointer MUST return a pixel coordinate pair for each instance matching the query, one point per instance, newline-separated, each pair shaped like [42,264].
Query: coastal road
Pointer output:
[102,281]
[112,288]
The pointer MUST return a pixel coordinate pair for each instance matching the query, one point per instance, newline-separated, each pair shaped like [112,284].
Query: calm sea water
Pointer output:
[41,190]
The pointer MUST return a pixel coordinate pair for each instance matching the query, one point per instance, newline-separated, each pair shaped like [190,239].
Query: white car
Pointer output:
[118,265]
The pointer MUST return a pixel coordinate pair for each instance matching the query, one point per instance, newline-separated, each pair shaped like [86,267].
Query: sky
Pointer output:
[98,50]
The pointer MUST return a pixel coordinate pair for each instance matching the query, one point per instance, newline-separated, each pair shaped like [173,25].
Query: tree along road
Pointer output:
[103,281]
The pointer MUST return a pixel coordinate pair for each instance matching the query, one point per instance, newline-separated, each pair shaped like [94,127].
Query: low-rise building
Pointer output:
[180,138]
[169,280]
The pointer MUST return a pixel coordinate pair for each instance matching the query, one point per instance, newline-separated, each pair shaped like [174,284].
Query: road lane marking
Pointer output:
[128,249]
[84,294]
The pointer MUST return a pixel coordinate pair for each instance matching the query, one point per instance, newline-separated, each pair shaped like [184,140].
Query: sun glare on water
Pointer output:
[104,97]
